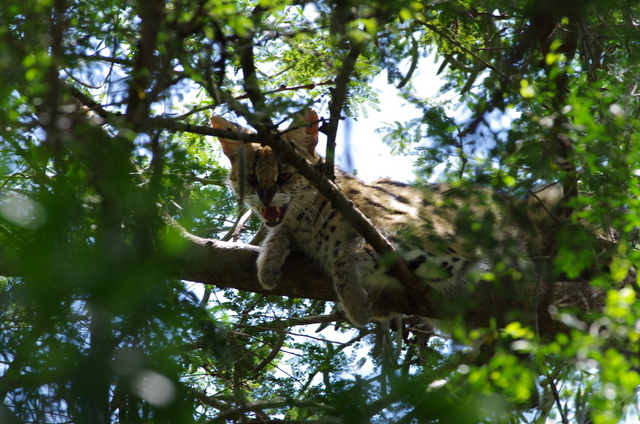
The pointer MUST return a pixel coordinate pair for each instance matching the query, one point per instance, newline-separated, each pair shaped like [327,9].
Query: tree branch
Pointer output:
[251,83]
[265,404]
[282,88]
[338,97]
[232,265]
[138,100]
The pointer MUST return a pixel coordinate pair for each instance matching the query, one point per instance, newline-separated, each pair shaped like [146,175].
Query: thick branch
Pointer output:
[266,404]
[228,264]
[232,265]
[338,97]
[138,100]
[251,83]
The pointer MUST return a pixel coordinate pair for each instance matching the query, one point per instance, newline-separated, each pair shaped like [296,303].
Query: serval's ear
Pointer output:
[229,147]
[305,138]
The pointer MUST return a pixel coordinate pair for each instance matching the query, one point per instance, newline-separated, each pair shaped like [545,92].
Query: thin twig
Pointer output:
[556,396]
[240,225]
[282,88]
[555,219]
[463,48]
[233,233]
[275,349]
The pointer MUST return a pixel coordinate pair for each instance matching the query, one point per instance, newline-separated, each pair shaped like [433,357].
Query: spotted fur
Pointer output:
[446,235]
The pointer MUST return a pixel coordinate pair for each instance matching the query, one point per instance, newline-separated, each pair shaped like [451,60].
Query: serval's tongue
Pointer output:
[270,213]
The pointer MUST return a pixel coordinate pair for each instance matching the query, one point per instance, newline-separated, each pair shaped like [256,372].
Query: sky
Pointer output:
[372,158]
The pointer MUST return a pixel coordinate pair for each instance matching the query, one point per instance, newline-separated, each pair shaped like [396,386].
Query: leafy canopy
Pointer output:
[102,108]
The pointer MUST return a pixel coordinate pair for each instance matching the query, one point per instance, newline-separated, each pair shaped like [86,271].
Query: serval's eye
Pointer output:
[252,179]
[284,177]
